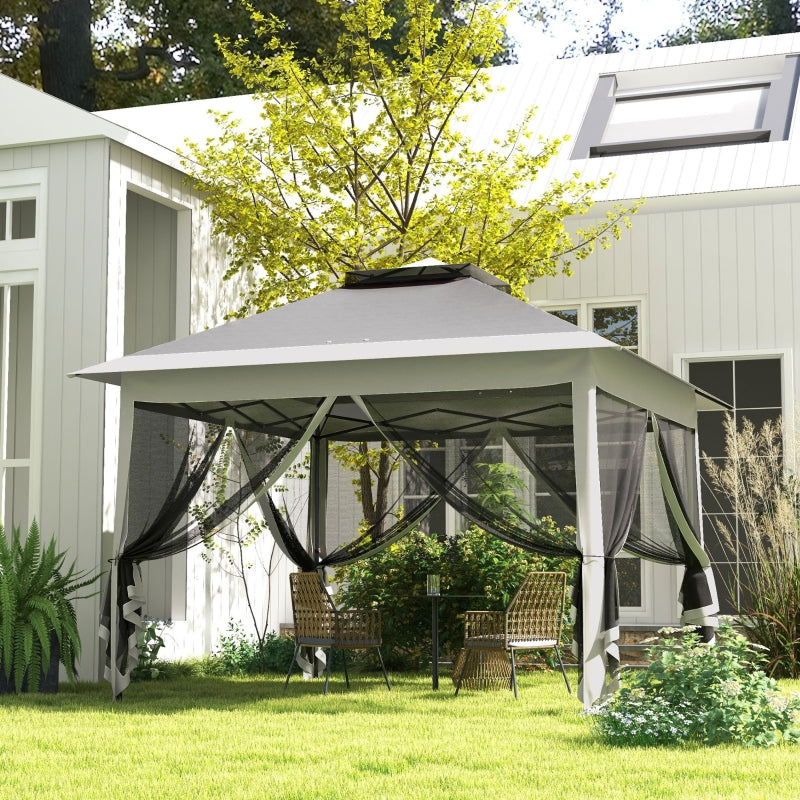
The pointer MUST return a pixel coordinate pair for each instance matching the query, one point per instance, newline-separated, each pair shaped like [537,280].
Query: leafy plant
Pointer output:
[474,564]
[149,642]
[241,653]
[36,593]
[476,569]
[696,691]
[360,162]
[764,530]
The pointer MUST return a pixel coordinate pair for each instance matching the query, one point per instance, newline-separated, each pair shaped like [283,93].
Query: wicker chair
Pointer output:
[317,623]
[532,621]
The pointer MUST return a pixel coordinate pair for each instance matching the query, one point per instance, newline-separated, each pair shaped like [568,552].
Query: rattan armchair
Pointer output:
[532,621]
[317,623]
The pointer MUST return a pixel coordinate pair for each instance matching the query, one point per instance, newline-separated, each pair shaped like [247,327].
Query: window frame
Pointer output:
[22,262]
[681,366]
[585,307]
[774,125]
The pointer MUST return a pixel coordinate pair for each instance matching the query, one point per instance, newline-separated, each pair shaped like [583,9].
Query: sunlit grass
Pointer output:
[224,738]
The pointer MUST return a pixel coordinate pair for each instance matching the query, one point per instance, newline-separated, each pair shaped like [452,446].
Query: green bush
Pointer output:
[149,640]
[475,564]
[693,691]
[241,653]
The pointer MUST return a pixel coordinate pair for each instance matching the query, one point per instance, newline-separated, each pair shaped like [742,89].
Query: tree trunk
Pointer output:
[66,56]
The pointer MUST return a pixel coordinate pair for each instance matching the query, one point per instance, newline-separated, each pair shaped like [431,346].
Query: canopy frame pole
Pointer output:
[318,489]
[120,532]
[590,538]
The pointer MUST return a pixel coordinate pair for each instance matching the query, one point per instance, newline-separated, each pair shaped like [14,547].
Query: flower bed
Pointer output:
[693,691]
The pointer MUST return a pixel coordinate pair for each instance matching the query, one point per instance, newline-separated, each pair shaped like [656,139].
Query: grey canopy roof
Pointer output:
[412,331]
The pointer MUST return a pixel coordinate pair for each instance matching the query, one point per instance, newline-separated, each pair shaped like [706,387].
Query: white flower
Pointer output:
[731,687]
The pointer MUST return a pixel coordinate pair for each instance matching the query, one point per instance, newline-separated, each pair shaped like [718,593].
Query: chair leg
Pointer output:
[328,670]
[291,666]
[513,671]
[467,658]
[563,671]
[383,667]
[346,676]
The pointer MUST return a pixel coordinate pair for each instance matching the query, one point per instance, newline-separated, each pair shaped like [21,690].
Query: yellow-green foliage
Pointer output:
[361,162]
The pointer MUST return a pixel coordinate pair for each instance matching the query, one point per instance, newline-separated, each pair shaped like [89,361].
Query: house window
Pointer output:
[417,490]
[679,107]
[17,219]
[752,386]
[16,359]
[617,323]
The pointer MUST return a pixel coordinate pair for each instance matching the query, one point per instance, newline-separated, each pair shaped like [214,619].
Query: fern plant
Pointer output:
[36,594]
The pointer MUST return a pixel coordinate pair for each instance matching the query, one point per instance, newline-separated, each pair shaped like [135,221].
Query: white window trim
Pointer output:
[680,367]
[22,261]
[681,361]
[586,305]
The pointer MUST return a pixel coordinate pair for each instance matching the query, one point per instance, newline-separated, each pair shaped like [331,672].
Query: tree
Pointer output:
[720,20]
[601,38]
[116,53]
[105,53]
[362,162]
[594,36]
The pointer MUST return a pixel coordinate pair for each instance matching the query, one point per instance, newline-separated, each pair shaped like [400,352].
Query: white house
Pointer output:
[105,249]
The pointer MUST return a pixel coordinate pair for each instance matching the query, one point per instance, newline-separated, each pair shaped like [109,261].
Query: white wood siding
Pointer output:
[66,457]
[714,280]
[201,298]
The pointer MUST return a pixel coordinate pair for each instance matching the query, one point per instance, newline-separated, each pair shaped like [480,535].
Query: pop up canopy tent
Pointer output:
[431,354]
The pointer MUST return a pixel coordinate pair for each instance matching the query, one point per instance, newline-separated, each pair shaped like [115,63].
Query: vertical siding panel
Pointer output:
[764,270]
[657,306]
[621,257]
[91,397]
[746,278]
[728,270]
[709,280]
[55,277]
[70,333]
[785,260]
[691,270]
[640,253]
[605,259]
[675,293]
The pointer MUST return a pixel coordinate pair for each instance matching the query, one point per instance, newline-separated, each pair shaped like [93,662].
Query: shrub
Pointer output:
[393,581]
[693,691]
[149,642]
[240,653]
[473,563]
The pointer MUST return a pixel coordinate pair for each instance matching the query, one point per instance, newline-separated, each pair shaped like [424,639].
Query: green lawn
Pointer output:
[230,739]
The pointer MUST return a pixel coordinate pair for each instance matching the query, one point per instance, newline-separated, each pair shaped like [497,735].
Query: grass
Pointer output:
[247,738]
